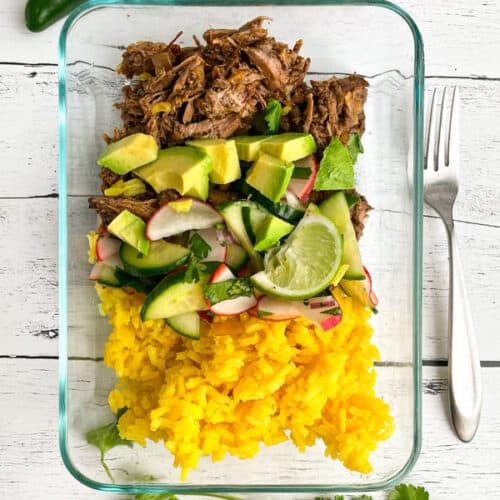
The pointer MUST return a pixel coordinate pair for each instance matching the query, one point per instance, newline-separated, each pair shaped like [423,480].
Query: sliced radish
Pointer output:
[292,200]
[278,309]
[106,247]
[235,306]
[322,302]
[95,271]
[218,251]
[222,273]
[224,237]
[230,307]
[323,314]
[302,187]
[371,294]
[167,221]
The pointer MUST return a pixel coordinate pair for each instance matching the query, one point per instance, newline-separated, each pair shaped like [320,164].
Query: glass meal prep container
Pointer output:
[375,39]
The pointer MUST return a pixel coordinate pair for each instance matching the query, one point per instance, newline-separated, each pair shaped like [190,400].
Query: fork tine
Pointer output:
[452,148]
[431,136]
[443,128]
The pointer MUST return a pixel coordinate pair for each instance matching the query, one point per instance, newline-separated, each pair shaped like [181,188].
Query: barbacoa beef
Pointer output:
[216,90]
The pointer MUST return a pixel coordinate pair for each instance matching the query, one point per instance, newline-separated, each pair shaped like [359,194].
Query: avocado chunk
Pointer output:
[131,229]
[183,168]
[248,146]
[226,165]
[270,176]
[129,153]
[290,146]
[270,232]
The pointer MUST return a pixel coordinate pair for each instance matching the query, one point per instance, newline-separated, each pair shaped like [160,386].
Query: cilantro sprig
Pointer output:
[107,437]
[199,250]
[228,289]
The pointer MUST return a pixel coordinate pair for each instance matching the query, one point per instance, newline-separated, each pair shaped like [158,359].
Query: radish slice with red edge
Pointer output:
[106,247]
[167,221]
[230,307]
[222,273]
[323,315]
[217,251]
[371,294]
[302,187]
[274,309]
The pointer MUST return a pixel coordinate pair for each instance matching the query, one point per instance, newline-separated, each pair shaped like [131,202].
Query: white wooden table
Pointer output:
[462,44]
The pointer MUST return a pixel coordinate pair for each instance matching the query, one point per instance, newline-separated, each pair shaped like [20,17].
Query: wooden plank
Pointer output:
[448,468]
[460,38]
[478,201]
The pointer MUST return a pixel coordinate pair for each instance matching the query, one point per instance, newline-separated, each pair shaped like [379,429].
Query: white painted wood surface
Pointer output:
[462,43]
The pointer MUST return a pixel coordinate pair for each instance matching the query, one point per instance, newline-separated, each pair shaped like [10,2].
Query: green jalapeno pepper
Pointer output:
[40,14]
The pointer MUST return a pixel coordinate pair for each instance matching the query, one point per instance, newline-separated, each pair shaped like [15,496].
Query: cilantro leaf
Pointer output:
[107,437]
[409,492]
[354,147]
[335,168]
[228,289]
[199,246]
[272,116]
[195,270]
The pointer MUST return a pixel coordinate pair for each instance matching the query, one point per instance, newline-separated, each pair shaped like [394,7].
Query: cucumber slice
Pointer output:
[173,296]
[162,258]
[108,277]
[253,216]
[232,214]
[236,257]
[337,210]
[188,324]
[279,209]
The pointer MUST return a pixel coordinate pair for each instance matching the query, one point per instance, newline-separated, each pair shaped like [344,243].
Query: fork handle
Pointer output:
[464,377]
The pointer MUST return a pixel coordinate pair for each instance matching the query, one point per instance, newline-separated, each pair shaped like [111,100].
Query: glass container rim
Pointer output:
[417,234]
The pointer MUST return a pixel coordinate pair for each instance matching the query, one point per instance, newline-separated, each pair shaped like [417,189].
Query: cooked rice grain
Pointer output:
[245,382]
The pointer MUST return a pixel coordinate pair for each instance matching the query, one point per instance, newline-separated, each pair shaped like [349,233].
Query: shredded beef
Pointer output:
[109,207]
[359,214]
[217,90]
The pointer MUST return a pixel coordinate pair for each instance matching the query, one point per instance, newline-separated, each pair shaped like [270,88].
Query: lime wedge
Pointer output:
[306,263]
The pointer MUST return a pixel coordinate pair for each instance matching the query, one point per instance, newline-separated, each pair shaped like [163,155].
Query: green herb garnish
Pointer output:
[228,289]
[272,116]
[107,437]
[335,168]
[409,492]
[355,147]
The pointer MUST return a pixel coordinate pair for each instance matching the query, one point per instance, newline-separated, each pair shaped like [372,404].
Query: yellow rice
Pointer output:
[247,381]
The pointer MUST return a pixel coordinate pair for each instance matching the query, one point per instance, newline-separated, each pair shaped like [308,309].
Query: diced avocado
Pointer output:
[270,232]
[183,168]
[129,153]
[248,146]
[270,176]
[290,146]
[131,229]
[337,210]
[226,165]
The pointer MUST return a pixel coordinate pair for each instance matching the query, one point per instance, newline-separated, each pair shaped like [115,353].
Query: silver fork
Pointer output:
[441,163]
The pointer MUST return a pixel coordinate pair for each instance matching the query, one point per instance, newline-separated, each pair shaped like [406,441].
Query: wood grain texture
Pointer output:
[466,28]
[28,427]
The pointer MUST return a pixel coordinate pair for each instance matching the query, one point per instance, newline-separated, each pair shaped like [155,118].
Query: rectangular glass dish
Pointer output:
[375,39]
